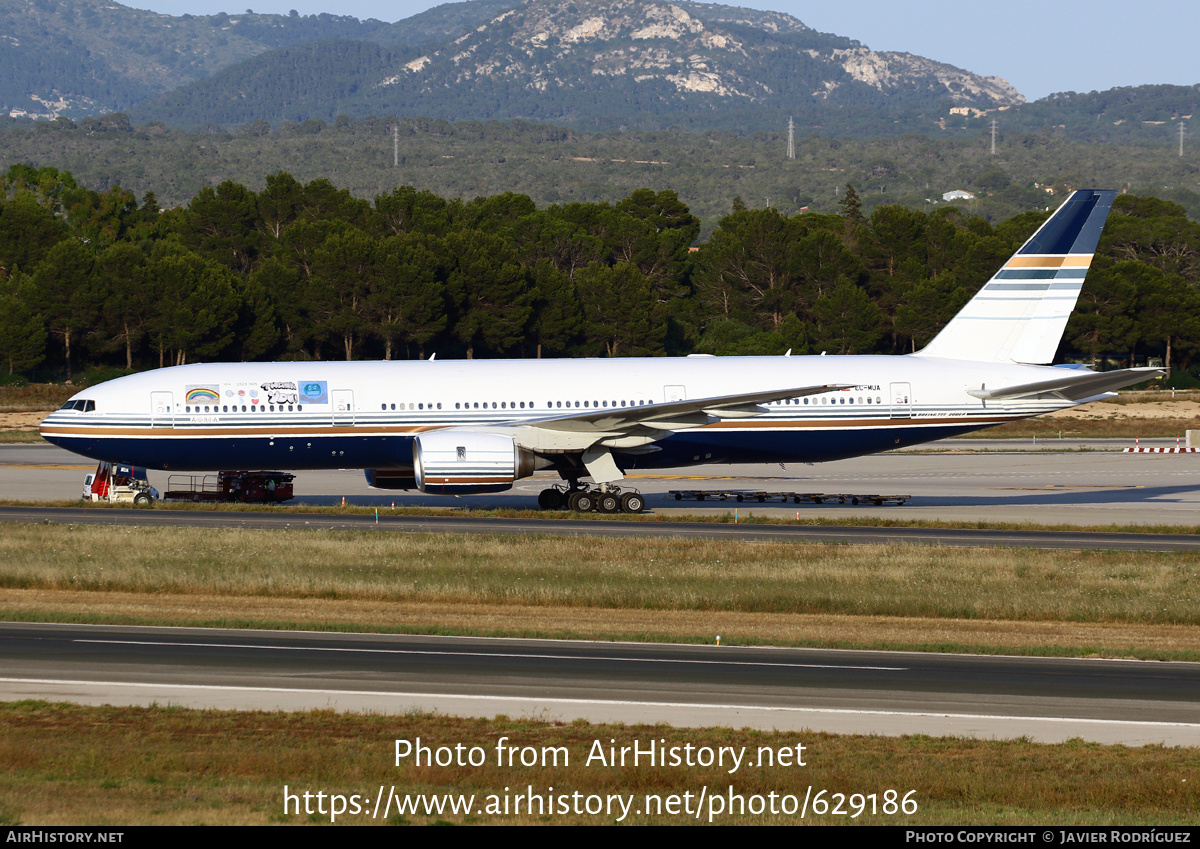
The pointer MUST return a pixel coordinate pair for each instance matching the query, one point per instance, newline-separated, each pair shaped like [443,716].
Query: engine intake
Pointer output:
[464,463]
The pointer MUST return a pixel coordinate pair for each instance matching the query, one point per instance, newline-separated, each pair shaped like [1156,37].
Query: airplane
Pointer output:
[477,426]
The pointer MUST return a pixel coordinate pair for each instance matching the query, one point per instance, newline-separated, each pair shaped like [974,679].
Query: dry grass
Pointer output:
[758,592]
[128,766]
[35,396]
[1148,396]
[1099,427]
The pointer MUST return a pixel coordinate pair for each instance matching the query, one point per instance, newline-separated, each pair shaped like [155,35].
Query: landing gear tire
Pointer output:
[608,503]
[582,502]
[632,502]
[550,499]
[141,500]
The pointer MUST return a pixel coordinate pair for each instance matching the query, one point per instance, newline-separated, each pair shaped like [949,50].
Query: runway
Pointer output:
[884,693]
[1051,482]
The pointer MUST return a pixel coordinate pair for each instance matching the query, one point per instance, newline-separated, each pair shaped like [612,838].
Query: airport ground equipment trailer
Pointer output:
[232,487]
[785,497]
[117,483]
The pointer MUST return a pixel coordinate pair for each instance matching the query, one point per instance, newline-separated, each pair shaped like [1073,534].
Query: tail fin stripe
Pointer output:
[1016,287]
[1041,261]
[1023,320]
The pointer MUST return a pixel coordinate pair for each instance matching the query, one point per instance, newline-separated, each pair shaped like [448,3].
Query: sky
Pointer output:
[1040,46]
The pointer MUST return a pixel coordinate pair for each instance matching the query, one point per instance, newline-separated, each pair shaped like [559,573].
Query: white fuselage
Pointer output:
[308,415]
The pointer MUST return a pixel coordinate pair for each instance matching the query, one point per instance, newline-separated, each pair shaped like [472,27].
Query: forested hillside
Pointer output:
[91,57]
[1148,114]
[309,271]
[557,165]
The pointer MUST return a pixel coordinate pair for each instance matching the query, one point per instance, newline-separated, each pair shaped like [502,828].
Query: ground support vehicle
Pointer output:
[232,487]
[119,483]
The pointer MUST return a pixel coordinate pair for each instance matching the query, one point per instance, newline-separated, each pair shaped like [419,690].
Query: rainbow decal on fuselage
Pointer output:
[202,394]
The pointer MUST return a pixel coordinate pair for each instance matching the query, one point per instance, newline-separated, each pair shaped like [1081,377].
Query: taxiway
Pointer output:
[889,693]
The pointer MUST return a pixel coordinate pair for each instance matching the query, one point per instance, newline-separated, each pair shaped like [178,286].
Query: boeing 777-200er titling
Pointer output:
[475,426]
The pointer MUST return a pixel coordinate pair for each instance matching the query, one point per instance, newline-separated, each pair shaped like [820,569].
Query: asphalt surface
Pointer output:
[1051,482]
[841,691]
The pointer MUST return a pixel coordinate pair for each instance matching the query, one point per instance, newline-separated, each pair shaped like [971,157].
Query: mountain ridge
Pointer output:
[599,61]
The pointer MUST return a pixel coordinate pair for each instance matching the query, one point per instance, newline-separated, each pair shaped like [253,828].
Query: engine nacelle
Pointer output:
[463,463]
[390,478]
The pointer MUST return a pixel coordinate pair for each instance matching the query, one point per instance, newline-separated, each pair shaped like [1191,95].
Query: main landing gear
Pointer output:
[604,499]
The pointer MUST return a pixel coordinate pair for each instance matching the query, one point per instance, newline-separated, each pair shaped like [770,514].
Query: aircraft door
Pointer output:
[674,393]
[343,407]
[162,409]
[901,400]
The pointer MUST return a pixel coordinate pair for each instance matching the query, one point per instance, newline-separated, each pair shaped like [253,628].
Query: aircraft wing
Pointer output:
[634,428]
[676,414]
[1073,385]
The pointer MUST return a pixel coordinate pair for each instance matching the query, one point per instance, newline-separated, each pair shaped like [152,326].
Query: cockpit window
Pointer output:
[80,405]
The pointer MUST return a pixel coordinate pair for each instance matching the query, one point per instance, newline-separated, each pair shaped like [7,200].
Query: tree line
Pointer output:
[308,271]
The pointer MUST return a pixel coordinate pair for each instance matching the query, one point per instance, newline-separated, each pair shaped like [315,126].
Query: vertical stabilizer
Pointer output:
[1020,315]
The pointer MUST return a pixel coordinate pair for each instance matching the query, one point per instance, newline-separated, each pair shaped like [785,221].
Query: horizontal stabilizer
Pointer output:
[1072,386]
[1020,314]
